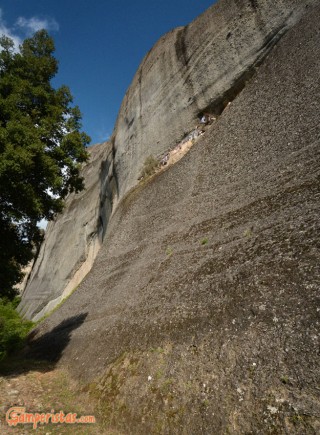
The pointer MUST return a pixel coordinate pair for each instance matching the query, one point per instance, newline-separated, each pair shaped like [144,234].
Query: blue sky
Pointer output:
[99,45]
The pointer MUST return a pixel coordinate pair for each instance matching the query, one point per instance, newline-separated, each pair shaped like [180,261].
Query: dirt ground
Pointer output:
[41,388]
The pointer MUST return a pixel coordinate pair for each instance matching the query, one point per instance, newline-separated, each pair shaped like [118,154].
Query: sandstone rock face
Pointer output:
[201,311]
[73,239]
[193,69]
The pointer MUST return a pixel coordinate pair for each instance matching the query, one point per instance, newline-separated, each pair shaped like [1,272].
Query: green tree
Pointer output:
[41,150]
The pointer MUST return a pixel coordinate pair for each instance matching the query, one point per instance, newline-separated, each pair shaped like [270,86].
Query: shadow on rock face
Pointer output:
[51,345]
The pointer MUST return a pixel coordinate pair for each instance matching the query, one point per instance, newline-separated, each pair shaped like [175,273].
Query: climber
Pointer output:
[165,159]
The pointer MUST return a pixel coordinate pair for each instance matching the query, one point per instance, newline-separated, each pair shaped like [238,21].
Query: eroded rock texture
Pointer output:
[201,312]
[192,69]
[73,239]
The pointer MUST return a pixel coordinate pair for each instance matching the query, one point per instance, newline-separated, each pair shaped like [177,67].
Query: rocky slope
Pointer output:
[194,69]
[201,312]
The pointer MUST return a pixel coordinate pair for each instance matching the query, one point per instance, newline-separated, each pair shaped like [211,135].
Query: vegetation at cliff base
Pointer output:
[41,150]
[13,330]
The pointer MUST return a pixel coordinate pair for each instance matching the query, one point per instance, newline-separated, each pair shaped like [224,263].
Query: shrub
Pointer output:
[150,166]
[13,329]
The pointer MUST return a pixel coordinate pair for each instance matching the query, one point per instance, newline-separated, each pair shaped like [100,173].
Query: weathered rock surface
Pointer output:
[72,240]
[201,312]
[191,69]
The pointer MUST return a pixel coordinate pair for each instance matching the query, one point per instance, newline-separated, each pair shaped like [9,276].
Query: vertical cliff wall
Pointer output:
[201,313]
[192,69]
[73,239]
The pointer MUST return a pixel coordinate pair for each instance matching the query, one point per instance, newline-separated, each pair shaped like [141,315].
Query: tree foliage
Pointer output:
[41,150]
[13,329]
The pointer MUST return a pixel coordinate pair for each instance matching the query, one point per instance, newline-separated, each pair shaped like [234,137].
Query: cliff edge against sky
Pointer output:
[201,311]
[197,68]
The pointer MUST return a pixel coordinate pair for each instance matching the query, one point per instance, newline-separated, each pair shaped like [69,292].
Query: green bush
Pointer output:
[13,329]
[150,166]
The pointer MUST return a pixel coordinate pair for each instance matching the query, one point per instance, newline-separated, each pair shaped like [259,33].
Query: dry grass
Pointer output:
[42,388]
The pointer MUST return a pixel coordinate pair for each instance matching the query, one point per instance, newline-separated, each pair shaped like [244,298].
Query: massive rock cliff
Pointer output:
[193,69]
[201,312]
[72,241]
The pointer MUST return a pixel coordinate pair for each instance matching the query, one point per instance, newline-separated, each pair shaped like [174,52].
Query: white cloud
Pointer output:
[33,24]
[4,30]
[25,27]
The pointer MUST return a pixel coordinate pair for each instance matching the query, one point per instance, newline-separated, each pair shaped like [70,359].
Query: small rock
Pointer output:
[272,409]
